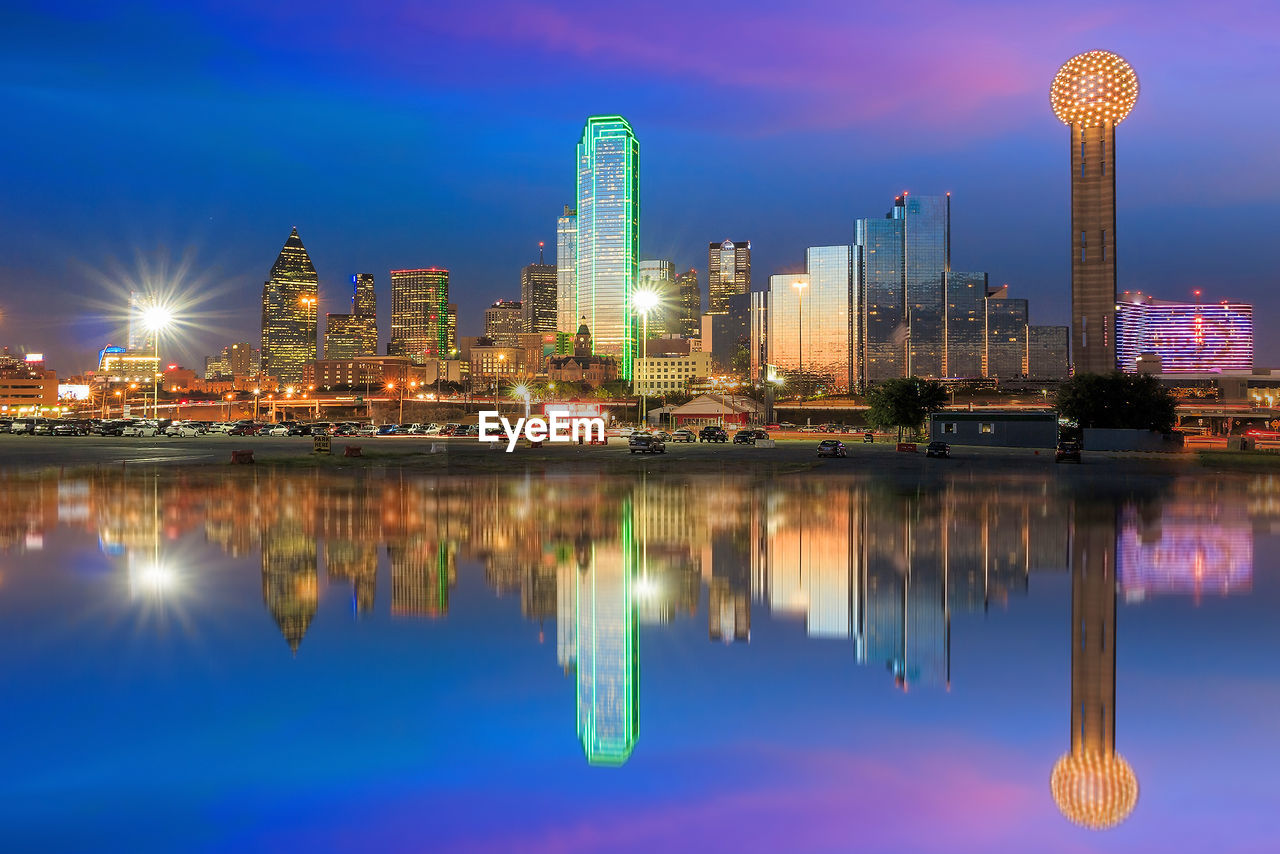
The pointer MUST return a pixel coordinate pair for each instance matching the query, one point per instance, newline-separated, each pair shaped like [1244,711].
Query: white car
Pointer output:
[431,429]
[278,430]
[139,428]
[183,431]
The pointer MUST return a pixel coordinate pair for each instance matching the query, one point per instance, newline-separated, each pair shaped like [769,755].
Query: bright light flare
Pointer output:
[645,301]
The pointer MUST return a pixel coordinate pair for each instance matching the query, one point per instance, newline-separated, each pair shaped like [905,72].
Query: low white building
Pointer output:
[658,375]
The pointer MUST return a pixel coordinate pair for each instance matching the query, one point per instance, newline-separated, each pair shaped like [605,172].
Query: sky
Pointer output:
[151,141]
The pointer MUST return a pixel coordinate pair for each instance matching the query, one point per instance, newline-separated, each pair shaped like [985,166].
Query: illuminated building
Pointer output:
[419,314]
[452,315]
[728,273]
[582,366]
[1005,351]
[503,323]
[966,323]
[355,333]
[364,373]
[608,238]
[659,276]
[289,299]
[289,578]
[1188,338]
[421,573]
[1092,93]
[26,386]
[1193,548]
[235,360]
[356,562]
[118,364]
[815,350]
[539,297]
[758,337]
[1093,785]
[139,337]
[659,375]
[1048,354]
[566,276]
[688,311]
[608,656]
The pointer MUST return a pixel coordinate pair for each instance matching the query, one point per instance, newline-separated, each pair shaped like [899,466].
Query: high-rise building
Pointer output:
[902,262]
[419,313]
[236,360]
[504,322]
[1048,352]
[966,323]
[811,324]
[728,273]
[688,296]
[758,337]
[453,329]
[1187,337]
[566,276]
[659,276]
[289,298]
[608,239]
[539,296]
[1005,354]
[355,333]
[139,338]
[1092,93]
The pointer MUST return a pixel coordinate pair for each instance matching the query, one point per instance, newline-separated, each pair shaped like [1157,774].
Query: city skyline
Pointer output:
[1018,148]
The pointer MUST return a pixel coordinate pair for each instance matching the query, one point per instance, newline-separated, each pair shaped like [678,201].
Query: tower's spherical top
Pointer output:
[1094,88]
[1094,790]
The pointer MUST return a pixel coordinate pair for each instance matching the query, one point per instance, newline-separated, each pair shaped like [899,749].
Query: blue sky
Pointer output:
[402,134]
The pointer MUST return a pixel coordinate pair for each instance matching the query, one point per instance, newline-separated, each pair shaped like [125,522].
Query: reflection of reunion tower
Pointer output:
[1092,93]
[1092,784]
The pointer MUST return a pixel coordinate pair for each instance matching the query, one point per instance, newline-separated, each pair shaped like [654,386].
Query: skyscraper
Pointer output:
[566,275]
[419,314]
[728,273]
[688,305]
[659,276]
[539,296]
[902,262]
[966,323]
[289,298]
[139,337]
[608,239]
[356,333]
[503,323]
[810,333]
[1005,355]
[1048,352]
[1091,94]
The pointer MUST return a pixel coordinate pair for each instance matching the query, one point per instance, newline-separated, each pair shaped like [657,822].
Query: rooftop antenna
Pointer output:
[539,252]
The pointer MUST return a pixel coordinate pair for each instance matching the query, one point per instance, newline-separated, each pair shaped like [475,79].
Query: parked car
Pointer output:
[42,427]
[868,438]
[938,449]
[302,430]
[243,428]
[183,431]
[744,437]
[140,429]
[663,435]
[786,425]
[68,428]
[711,433]
[1068,452]
[808,428]
[832,448]
[432,430]
[278,430]
[646,443]
[683,435]
[345,430]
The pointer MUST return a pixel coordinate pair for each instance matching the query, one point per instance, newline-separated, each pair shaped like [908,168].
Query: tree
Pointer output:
[741,363]
[904,403]
[1116,400]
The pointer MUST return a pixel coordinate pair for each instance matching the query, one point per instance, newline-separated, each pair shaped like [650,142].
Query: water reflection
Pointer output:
[856,561]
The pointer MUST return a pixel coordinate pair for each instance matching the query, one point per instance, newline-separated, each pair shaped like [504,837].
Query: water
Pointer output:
[302,661]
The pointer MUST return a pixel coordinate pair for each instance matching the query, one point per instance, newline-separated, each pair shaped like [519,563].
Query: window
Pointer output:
[949,427]
[986,427]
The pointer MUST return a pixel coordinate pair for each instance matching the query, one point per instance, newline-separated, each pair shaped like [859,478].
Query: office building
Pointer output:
[607,656]
[452,336]
[1005,353]
[688,305]
[419,313]
[539,295]
[1091,94]
[1187,338]
[966,324]
[608,236]
[504,323]
[354,333]
[659,276]
[728,273]
[566,271]
[289,298]
[811,322]
[139,337]
[235,360]
[758,337]
[659,375]
[1048,356]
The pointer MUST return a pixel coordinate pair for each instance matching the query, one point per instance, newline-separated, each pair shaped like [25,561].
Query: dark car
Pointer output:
[832,448]
[683,436]
[938,449]
[1067,452]
[300,430]
[243,428]
[646,443]
[68,428]
[868,438]
[712,434]
[744,437]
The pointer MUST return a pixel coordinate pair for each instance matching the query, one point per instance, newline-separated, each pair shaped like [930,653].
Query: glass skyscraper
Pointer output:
[966,324]
[566,276]
[347,336]
[811,329]
[728,273]
[608,239]
[419,314]
[880,303]
[659,276]
[689,299]
[1006,350]
[539,296]
[289,327]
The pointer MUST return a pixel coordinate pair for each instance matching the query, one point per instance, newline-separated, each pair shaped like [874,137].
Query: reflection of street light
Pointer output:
[156,318]
[800,285]
[644,301]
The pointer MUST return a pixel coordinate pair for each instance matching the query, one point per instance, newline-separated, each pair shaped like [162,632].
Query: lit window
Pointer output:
[986,427]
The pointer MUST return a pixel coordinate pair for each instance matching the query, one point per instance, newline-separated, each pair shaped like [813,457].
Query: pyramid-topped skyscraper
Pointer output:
[289,299]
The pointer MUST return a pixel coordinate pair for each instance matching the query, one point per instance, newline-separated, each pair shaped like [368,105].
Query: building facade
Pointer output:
[566,271]
[659,276]
[966,324]
[289,322]
[583,365]
[504,322]
[235,360]
[688,314]
[539,295]
[1005,354]
[658,375]
[356,332]
[364,373]
[419,314]
[728,273]
[608,235]
[1190,338]
[812,328]
[1048,353]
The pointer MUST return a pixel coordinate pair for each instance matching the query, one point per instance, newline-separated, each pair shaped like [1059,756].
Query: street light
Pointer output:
[497,377]
[256,392]
[156,318]
[644,301]
[800,285]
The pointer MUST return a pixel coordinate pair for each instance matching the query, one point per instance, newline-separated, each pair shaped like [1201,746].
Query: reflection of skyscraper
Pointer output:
[290,583]
[420,576]
[608,651]
[728,612]
[1092,785]
[289,298]
[1192,548]
[357,563]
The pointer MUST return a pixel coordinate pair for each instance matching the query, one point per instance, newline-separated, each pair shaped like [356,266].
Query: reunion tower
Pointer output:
[1091,94]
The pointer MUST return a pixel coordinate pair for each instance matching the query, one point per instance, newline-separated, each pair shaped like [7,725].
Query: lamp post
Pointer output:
[497,377]
[800,285]
[256,393]
[644,301]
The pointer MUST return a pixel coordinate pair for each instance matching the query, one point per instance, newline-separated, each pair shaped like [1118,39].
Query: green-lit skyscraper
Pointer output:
[289,299]
[608,235]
